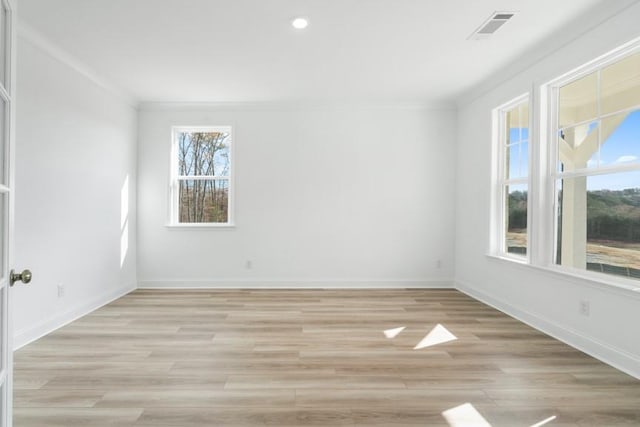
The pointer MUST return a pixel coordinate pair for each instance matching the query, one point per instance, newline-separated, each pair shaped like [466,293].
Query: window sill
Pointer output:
[514,259]
[199,226]
[595,280]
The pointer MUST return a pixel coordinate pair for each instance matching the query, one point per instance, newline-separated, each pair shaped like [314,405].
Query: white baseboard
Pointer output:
[604,352]
[28,335]
[295,284]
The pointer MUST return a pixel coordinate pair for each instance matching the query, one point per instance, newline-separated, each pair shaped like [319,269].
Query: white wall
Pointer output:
[547,300]
[324,197]
[76,147]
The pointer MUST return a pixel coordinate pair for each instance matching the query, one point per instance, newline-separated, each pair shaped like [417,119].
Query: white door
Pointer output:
[7,90]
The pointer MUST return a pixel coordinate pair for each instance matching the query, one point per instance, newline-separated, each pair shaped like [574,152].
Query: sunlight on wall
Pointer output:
[124,202]
[438,335]
[465,416]
[392,333]
[124,220]
[124,244]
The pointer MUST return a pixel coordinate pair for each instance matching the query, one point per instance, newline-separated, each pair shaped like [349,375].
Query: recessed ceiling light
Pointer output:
[300,23]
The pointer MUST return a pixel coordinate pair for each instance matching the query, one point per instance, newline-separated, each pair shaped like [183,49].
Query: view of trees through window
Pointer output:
[203,176]
[598,177]
[612,224]
[517,220]
[516,176]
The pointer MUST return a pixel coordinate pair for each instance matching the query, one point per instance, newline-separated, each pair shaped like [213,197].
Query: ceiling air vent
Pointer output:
[491,25]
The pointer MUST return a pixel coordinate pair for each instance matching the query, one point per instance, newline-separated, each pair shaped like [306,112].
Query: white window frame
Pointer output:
[499,215]
[175,178]
[547,230]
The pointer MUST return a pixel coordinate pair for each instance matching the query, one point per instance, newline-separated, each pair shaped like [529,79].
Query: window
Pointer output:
[582,215]
[512,134]
[595,128]
[201,170]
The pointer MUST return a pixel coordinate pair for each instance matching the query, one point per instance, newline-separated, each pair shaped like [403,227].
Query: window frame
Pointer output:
[542,200]
[175,178]
[548,111]
[500,182]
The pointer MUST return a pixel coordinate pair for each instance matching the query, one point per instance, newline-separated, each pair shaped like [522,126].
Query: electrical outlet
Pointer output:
[60,290]
[439,264]
[249,264]
[585,308]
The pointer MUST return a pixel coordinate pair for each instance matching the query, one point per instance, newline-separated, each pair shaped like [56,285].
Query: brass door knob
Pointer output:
[24,277]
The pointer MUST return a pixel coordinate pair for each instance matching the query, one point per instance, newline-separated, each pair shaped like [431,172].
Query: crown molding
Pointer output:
[293,106]
[38,40]
[31,35]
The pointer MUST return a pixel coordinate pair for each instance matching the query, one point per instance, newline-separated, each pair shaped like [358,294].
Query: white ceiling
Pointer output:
[247,51]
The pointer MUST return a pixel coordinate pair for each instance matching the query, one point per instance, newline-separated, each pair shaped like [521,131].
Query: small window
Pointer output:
[513,177]
[597,168]
[201,171]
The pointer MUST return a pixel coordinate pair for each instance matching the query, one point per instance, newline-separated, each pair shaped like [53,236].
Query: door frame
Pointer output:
[6,331]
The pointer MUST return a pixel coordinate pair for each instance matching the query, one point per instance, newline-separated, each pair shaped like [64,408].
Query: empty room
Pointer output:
[320,212]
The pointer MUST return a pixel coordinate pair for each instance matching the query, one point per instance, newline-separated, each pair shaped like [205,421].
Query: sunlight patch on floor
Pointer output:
[438,335]
[543,422]
[392,333]
[465,416]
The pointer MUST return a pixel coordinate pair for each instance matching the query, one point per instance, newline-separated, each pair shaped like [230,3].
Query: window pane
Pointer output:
[524,158]
[203,201]
[578,147]
[523,125]
[577,101]
[513,161]
[599,223]
[516,157]
[620,85]
[221,160]
[203,153]
[517,160]
[516,227]
[621,139]
[517,121]
[513,125]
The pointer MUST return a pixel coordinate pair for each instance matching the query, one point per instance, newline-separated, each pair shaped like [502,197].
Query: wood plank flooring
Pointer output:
[312,357]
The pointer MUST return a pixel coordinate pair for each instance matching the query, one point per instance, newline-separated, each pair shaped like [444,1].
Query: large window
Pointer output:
[596,134]
[201,176]
[513,177]
[568,197]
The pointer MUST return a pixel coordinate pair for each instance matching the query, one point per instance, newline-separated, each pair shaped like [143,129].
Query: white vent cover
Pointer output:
[491,25]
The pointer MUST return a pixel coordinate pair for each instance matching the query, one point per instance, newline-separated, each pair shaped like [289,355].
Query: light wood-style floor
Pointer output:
[311,357]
